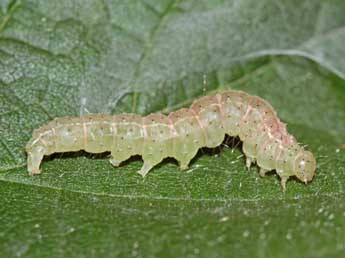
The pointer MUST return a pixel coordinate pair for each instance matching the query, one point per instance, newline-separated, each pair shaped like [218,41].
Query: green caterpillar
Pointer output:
[180,135]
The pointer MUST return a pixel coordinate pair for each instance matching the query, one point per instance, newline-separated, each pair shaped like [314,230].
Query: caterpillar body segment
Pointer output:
[180,135]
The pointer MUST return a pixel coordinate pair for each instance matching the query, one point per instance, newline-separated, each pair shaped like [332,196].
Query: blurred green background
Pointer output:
[68,57]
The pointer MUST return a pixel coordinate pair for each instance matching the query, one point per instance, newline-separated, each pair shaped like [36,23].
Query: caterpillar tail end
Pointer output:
[33,167]
[34,161]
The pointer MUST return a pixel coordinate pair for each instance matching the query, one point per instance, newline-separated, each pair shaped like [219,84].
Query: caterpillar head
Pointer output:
[304,166]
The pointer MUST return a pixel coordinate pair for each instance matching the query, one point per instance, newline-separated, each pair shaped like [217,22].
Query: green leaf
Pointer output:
[67,57]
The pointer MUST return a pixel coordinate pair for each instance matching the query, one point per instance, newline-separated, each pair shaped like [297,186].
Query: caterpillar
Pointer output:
[179,135]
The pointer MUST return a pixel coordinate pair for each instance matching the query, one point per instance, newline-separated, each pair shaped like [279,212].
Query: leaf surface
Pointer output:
[62,58]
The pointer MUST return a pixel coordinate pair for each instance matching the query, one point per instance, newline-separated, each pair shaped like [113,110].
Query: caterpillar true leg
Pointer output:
[263,172]
[249,161]
[283,182]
